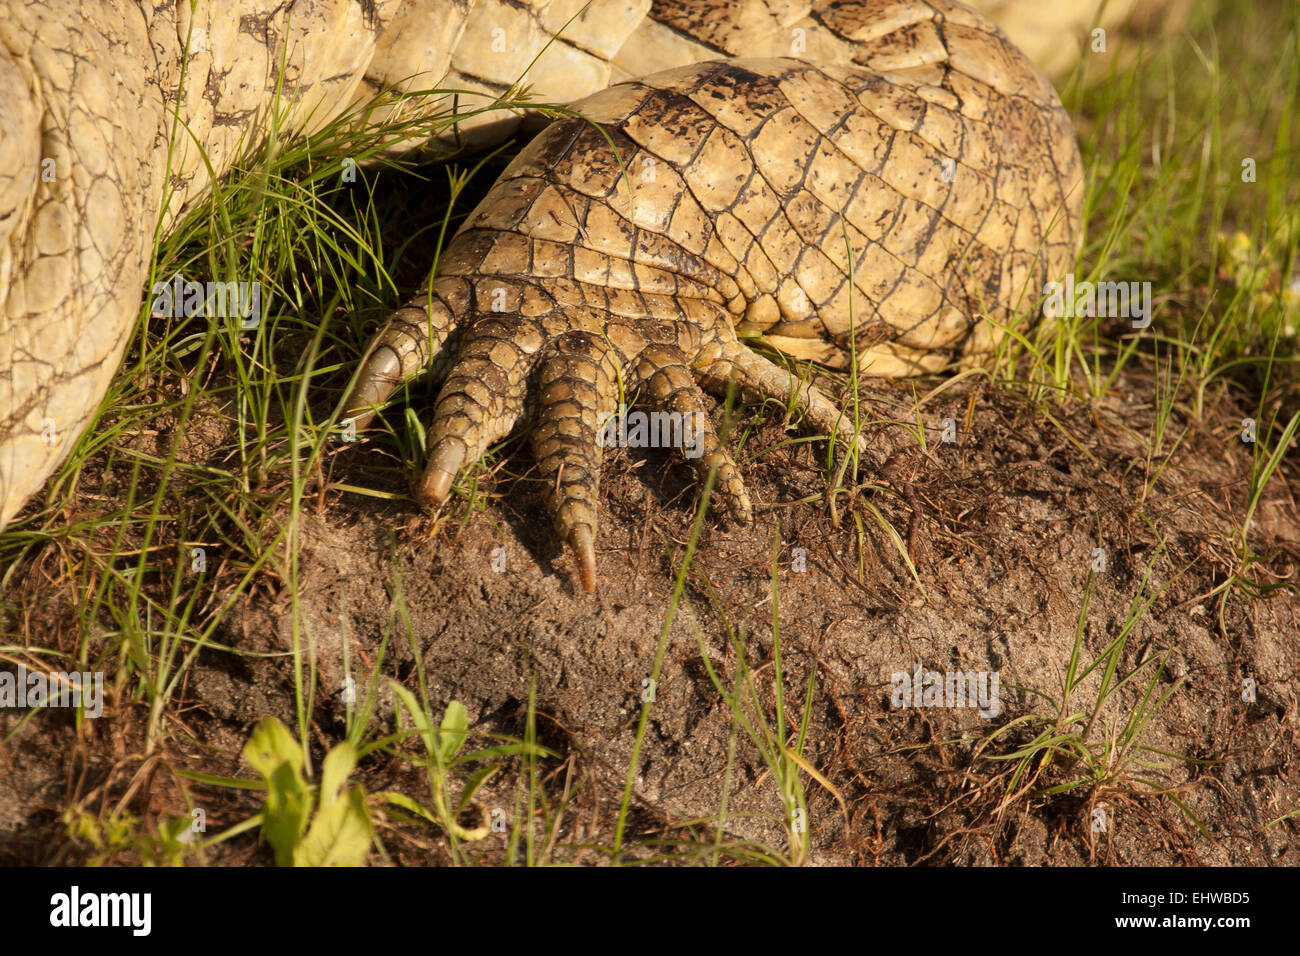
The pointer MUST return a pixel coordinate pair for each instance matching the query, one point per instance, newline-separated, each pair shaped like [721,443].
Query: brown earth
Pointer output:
[1001,526]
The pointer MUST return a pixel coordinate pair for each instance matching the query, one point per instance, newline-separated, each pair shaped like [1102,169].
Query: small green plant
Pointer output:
[1064,743]
[121,833]
[780,743]
[443,759]
[306,826]
[442,747]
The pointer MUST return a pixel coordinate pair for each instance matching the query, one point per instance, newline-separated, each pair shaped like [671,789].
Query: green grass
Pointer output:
[219,438]
[1064,754]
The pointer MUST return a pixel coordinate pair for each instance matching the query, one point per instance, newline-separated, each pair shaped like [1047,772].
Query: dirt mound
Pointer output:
[1031,526]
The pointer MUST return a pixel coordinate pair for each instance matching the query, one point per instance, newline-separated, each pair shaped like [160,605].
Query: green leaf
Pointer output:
[510,750]
[216,780]
[288,808]
[455,725]
[415,427]
[418,716]
[340,835]
[338,764]
[406,803]
[274,753]
[271,745]
[476,780]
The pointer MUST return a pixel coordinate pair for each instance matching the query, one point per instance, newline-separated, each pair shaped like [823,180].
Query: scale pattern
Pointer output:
[833,211]
[119,115]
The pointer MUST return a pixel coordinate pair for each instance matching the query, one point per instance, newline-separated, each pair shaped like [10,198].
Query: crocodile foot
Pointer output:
[566,375]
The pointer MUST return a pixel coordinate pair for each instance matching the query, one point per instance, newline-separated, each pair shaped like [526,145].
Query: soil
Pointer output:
[1035,518]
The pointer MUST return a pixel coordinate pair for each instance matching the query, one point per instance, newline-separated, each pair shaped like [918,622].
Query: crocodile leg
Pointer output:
[418,336]
[905,209]
[572,366]
[670,386]
[577,391]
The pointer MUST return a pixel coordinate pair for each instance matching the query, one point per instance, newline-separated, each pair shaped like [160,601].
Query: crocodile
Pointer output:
[902,156]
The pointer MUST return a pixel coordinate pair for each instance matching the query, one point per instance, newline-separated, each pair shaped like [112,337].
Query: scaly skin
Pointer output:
[954,179]
[113,114]
[118,114]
